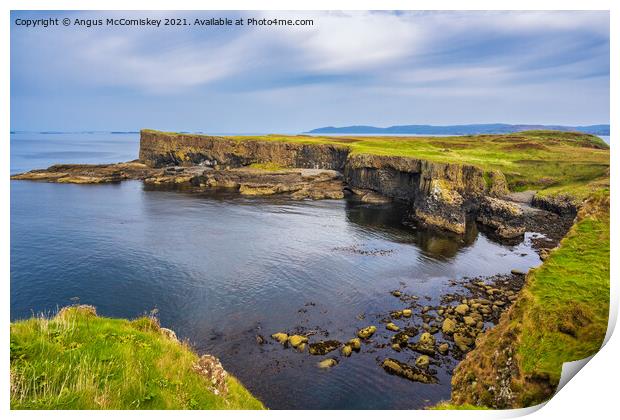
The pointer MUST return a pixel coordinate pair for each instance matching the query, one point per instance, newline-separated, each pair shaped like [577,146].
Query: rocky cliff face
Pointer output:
[441,194]
[161,149]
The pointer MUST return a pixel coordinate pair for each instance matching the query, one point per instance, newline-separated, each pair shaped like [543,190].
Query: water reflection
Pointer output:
[222,268]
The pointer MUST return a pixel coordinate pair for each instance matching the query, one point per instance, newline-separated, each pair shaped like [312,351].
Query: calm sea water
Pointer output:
[221,268]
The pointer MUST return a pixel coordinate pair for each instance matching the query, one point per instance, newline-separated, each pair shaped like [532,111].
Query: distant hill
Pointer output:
[600,129]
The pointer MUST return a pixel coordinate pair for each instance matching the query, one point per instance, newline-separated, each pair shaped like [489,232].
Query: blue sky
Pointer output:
[378,68]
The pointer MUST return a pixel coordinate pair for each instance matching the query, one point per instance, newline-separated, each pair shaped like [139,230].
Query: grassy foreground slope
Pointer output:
[78,360]
[561,315]
[551,162]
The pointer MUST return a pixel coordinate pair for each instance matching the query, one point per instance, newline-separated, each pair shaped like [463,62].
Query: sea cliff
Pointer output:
[441,194]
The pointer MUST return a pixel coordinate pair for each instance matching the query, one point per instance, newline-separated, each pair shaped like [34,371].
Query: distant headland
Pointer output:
[599,129]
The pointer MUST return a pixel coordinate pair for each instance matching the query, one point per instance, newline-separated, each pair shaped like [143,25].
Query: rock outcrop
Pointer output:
[442,195]
[159,149]
[88,174]
[299,183]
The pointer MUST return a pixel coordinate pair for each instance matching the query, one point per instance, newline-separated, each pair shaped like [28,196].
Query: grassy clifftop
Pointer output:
[78,360]
[552,162]
[561,315]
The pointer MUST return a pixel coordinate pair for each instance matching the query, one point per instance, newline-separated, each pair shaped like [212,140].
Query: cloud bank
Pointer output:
[377,68]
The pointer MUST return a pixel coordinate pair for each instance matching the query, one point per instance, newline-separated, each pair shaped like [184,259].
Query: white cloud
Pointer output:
[387,47]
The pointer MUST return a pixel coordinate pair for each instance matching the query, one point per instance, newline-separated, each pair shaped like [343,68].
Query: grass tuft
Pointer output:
[77,360]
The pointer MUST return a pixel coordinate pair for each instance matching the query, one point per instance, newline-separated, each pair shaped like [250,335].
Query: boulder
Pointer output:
[462,309]
[211,369]
[392,327]
[347,350]
[448,326]
[402,338]
[169,333]
[297,340]
[367,332]
[426,339]
[281,337]
[469,321]
[355,344]
[406,371]
[327,363]
[422,362]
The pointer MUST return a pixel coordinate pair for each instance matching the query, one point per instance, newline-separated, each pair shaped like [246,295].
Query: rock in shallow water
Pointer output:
[355,343]
[392,327]
[297,340]
[282,338]
[422,362]
[367,332]
[323,347]
[346,351]
[327,363]
[408,372]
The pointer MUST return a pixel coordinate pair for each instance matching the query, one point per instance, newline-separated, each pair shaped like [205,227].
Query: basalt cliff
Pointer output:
[441,195]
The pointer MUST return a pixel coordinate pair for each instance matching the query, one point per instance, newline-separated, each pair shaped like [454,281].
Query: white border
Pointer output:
[592,394]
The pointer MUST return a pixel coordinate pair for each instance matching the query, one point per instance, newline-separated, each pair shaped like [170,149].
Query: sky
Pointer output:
[348,68]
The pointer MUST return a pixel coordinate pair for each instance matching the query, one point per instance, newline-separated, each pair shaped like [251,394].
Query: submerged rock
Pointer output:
[327,363]
[422,362]
[297,340]
[367,332]
[401,338]
[425,345]
[355,343]
[426,339]
[392,327]
[408,372]
[281,337]
[323,347]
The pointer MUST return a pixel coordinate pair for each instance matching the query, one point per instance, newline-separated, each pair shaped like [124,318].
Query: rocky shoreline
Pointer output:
[441,196]
[430,336]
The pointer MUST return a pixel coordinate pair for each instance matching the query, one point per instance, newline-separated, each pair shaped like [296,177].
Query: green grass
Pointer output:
[270,167]
[551,162]
[449,406]
[561,315]
[567,309]
[82,361]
